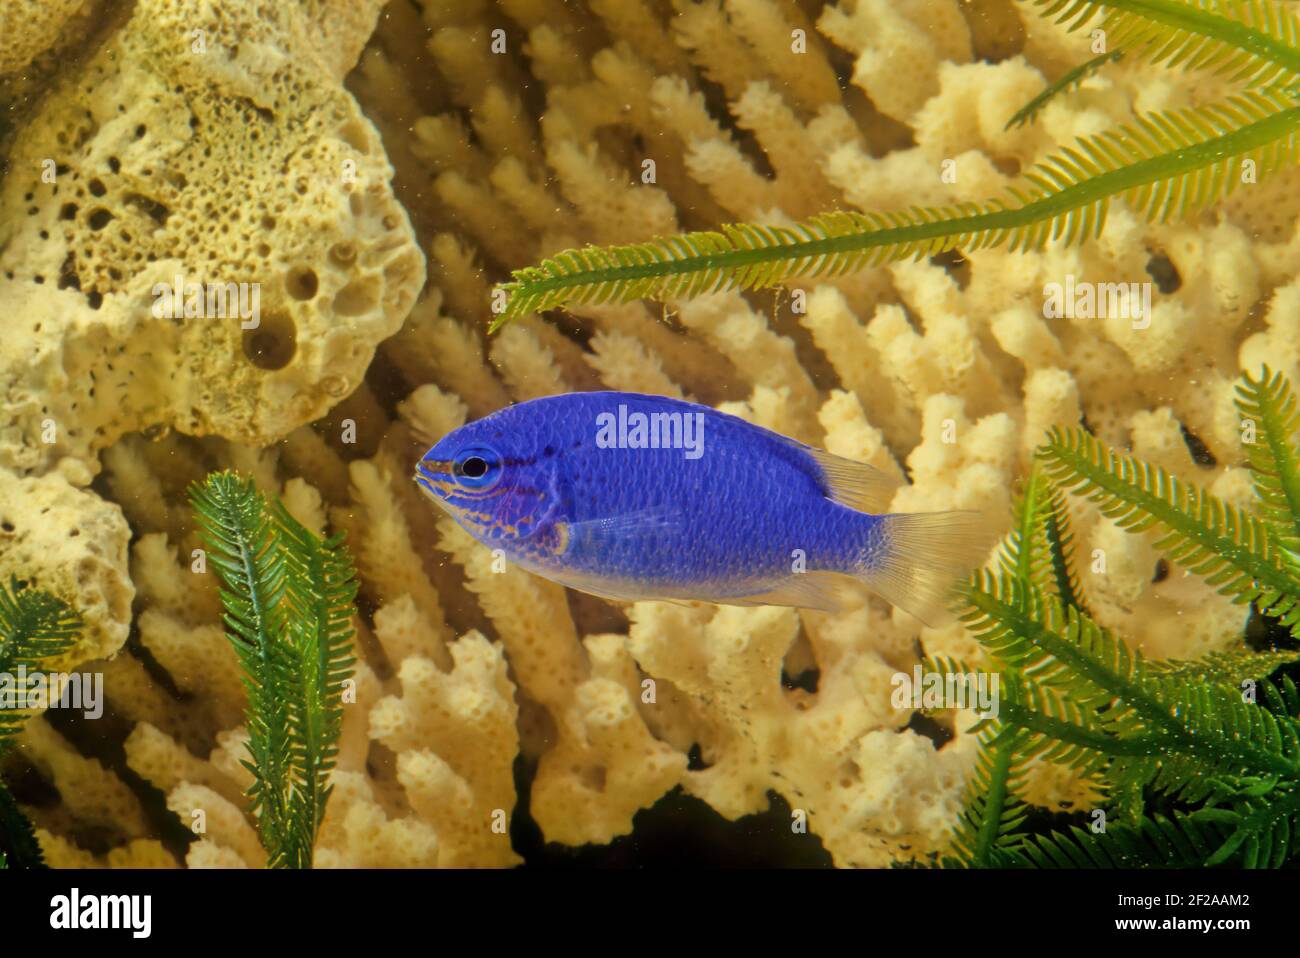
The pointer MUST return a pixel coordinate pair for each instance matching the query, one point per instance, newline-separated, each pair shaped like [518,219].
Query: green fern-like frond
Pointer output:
[320,590]
[36,629]
[991,814]
[1024,553]
[1182,841]
[1060,673]
[1227,668]
[1164,164]
[1255,42]
[1040,546]
[239,536]
[1059,731]
[1236,552]
[1036,552]
[1081,689]
[1055,645]
[1282,696]
[1080,699]
[1060,550]
[288,597]
[1270,421]
[1218,738]
[18,845]
[1068,80]
[1262,829]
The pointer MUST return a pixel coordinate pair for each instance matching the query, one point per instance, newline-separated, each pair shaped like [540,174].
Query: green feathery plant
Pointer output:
[19,847]
[1067,81]
[1199,760]
[1163,164]
[36,629]
[289,601]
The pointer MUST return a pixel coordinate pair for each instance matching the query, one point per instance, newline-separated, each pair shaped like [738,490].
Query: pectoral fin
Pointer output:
[592,535]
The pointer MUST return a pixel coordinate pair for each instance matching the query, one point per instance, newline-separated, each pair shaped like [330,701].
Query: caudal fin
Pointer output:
[915,560]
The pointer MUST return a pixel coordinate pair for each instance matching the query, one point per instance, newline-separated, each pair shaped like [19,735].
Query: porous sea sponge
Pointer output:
[70,542]
[201,147]
[30,27]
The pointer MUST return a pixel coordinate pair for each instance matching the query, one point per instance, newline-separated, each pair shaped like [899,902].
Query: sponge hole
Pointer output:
[357,298]
[343,254]
[355,135]
[273,344]
[301,283]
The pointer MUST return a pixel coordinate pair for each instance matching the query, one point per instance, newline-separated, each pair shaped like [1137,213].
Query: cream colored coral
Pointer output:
[167,764]
[762,356]
[175,589]
[756,737]
[91,794]
[358,833]
[139,853]
[623,363]
[606,765]
[219,821]
[386,555]
[202,663]
[960,464]
[600,737]
[467,715]
[898,46]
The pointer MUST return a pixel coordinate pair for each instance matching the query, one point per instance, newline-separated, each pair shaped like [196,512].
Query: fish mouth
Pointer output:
[429,476]
[437,478]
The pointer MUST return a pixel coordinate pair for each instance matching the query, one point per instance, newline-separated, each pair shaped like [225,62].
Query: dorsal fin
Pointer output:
[855,484]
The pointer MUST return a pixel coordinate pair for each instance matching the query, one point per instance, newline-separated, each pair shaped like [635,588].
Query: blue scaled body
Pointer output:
[630,496]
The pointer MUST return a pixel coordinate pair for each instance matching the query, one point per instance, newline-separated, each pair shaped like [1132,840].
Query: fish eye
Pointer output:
[477,468]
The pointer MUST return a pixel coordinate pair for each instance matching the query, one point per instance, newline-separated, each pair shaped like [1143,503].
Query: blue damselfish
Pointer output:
[629,496]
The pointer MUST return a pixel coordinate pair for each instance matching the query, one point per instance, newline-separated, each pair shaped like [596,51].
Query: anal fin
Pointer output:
[820,590]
